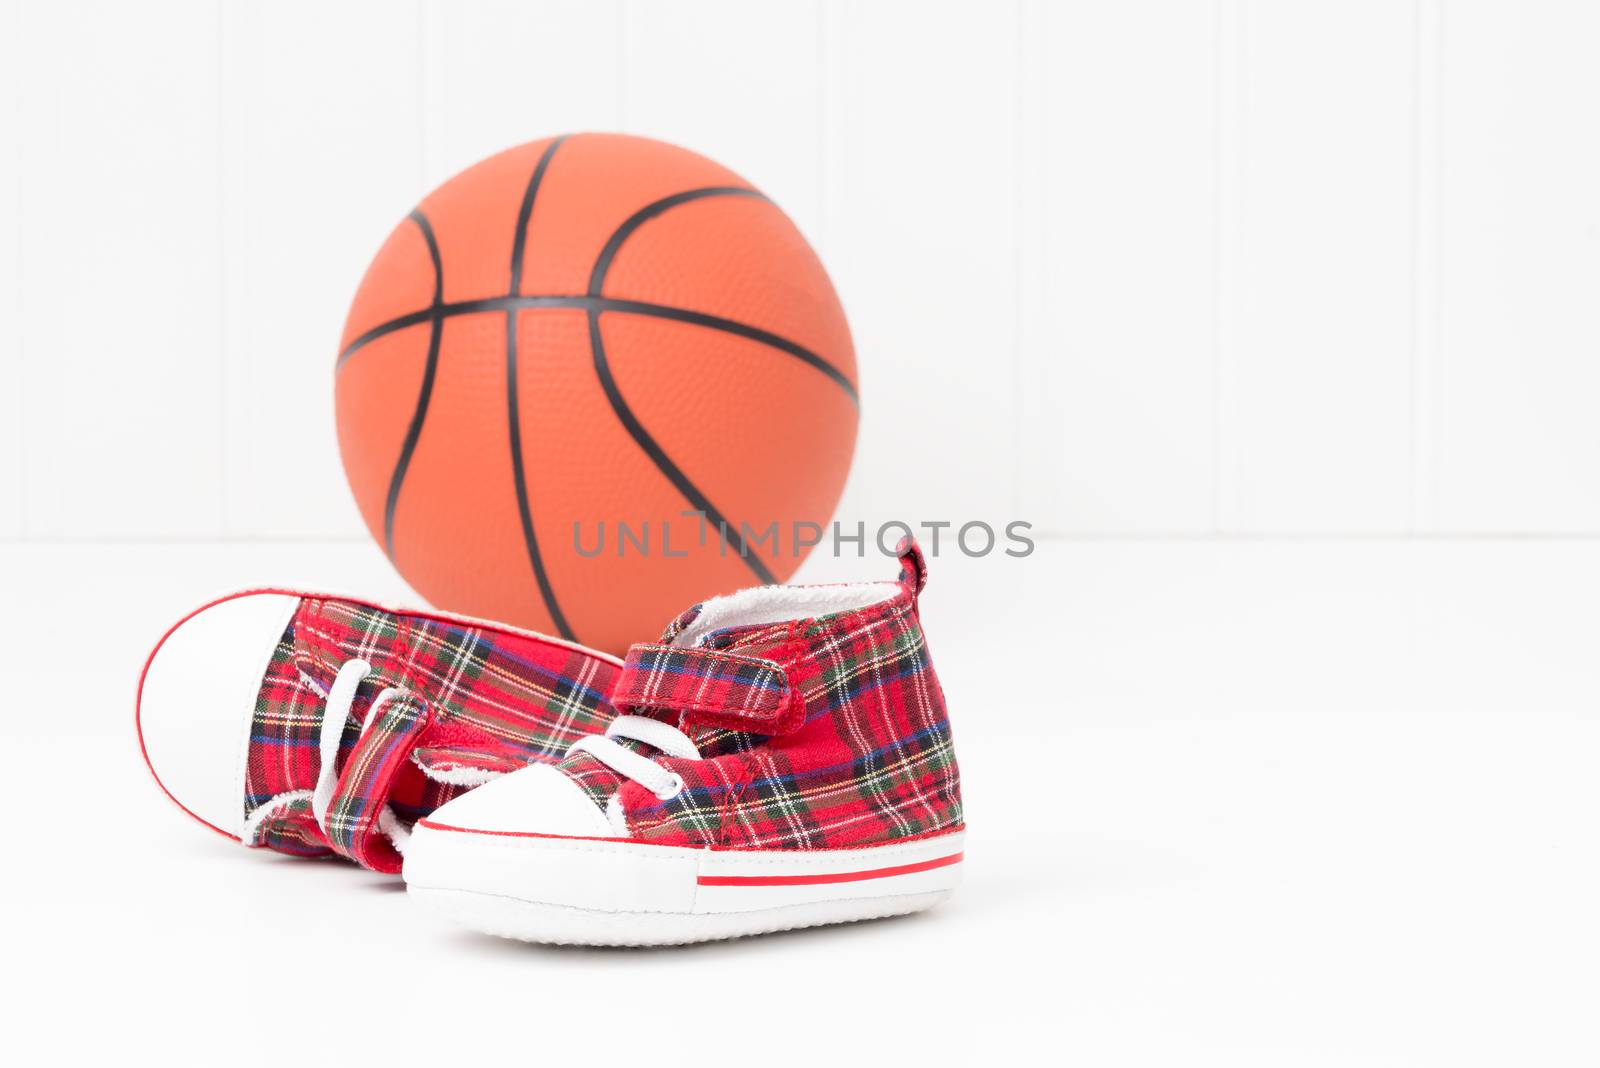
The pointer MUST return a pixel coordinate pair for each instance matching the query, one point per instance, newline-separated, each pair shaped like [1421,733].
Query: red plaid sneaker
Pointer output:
[317,725]
[782,758]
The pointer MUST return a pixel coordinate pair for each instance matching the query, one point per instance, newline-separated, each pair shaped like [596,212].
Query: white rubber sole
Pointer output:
[613,892]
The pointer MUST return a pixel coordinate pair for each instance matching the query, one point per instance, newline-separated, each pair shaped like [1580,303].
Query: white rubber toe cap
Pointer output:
[537,799]
[197,698]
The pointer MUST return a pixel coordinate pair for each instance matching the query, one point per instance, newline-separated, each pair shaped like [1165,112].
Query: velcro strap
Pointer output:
[362,795]
[710,688]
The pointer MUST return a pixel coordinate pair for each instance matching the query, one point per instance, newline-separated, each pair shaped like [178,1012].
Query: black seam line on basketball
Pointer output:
[602,263]
[425,393]
[513,412]
[626,307]
[663,462]
[519,241]
[602,367]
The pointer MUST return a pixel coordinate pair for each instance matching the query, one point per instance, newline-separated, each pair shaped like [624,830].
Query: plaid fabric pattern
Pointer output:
[477,701]
[869,759]
[710,687]
[352,822]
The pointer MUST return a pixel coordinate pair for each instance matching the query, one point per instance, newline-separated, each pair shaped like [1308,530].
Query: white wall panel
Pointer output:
[119,309]
[1147,268]
[736,81]
[1120,102]
[322,157]
[498,73]
[1317,386]
[920,214]
[11,403]
[1517,429]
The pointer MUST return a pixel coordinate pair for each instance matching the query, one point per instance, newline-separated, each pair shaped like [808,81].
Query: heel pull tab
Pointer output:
[913,568]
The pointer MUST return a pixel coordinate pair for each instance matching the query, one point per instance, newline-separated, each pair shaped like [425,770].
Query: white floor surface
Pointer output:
[1235,803]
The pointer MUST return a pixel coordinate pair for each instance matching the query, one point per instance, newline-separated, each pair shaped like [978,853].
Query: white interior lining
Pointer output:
[775,604]
[454,772]
[398,833]
[270,809]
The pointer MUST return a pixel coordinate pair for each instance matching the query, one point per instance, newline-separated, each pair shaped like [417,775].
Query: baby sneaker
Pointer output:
[782,758]
[316,725]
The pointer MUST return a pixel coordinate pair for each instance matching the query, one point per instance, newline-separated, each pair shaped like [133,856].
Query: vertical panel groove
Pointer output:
[1425,264]
[1021,162]
[118,126]
[13,443]
[1228,208]
[224,380]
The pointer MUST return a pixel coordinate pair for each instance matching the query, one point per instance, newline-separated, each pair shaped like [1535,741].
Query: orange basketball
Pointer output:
[591,381]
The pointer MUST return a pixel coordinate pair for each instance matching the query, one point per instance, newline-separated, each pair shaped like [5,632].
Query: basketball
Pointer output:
[592,380]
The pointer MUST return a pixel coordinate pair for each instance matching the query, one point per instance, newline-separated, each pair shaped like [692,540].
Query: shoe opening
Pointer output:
[775,604]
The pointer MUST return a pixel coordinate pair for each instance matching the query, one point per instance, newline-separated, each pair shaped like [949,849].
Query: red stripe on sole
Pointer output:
[828,877]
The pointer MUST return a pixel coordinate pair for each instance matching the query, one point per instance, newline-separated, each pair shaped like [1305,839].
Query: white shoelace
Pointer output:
[641,769]
[335,714]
